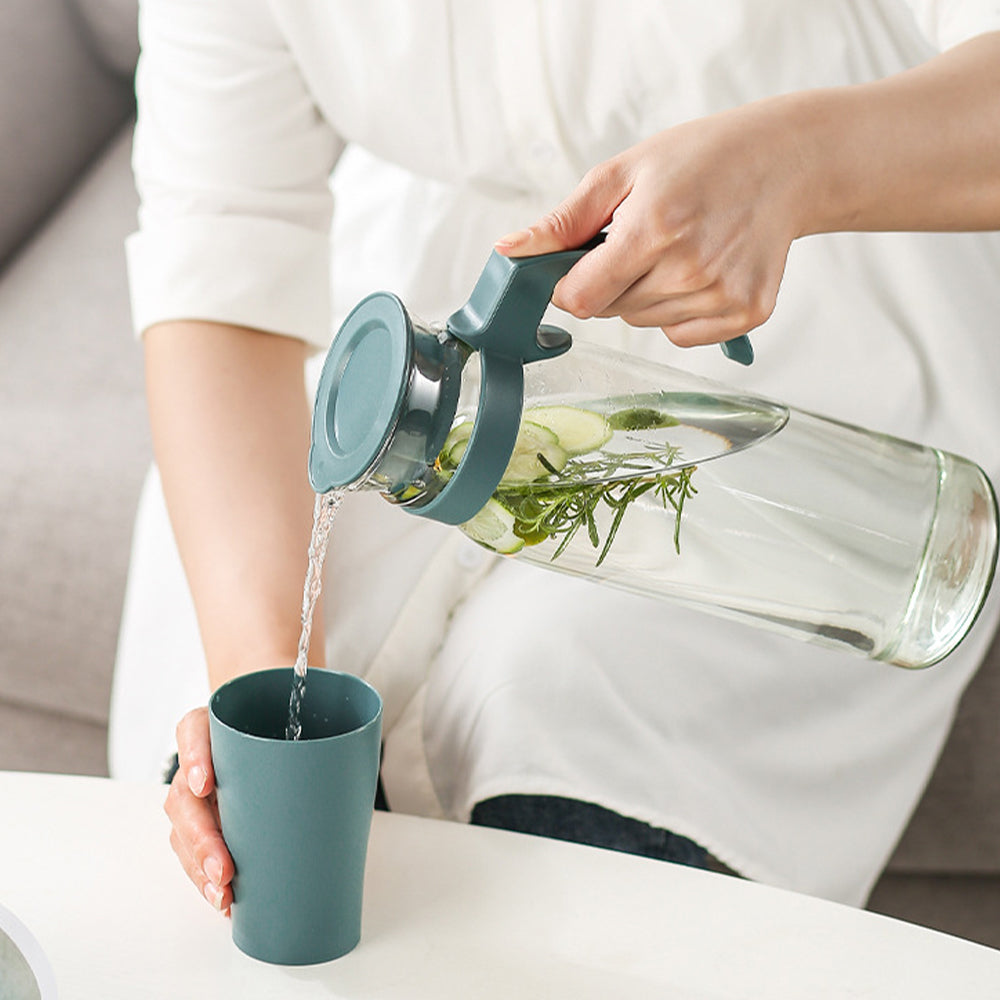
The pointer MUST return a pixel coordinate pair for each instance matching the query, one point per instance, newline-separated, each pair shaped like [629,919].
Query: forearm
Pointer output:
[230,426]
[919,150]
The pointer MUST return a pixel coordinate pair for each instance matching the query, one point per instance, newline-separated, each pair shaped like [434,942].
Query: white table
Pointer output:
[450,912]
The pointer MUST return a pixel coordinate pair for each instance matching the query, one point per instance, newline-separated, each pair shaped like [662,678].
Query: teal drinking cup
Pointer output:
[296,814]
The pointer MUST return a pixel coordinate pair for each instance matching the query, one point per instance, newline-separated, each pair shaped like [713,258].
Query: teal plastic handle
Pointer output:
[738,349]
[506,306]
[511,295]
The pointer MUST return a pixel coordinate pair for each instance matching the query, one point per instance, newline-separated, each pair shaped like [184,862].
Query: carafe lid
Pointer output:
[361,392]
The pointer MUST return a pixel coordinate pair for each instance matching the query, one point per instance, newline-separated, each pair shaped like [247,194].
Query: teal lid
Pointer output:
[361,392]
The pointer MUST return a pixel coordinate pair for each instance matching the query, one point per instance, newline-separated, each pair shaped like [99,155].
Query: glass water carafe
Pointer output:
[634,474]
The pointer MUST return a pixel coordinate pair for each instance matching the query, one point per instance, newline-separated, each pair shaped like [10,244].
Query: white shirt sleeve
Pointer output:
[232,161]
[947,23]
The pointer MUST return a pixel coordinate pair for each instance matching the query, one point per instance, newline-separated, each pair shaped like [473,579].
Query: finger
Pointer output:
[195,822]
[707,330]
[633,259]
[219,897]
[739,307]
[645,304]
[198,843]
[194,752]
[581,216]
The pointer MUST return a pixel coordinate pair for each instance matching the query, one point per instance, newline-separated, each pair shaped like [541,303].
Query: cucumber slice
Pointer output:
[579,431]
[537,453]
[493,527]
[455,443]
[524,465]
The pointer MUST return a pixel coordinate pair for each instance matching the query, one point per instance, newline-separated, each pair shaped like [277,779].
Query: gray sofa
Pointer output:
[74,448]
[73,437]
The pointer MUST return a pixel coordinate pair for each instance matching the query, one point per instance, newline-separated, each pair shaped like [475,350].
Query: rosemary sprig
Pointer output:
[561,508]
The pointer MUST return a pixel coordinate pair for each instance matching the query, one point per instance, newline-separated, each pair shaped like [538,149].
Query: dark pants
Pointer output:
[586,823]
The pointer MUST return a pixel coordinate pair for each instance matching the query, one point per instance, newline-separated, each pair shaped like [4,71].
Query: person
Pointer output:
[826,174]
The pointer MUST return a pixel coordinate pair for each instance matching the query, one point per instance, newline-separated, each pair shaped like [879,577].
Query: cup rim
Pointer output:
[309,741]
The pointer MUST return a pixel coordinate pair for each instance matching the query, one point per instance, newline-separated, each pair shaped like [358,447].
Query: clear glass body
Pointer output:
[680,488]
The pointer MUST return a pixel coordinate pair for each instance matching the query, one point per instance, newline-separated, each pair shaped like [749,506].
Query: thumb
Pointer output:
[577,219]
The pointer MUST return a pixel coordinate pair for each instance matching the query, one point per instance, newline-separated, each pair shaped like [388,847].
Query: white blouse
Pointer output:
[445,125]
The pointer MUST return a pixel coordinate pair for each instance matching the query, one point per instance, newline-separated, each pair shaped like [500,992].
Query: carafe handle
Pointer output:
[510,297]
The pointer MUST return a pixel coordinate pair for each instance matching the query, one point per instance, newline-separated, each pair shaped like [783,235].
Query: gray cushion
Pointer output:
[73,448]
[965,905]
[58,106]
[113,27]
[956,827]
[34,740]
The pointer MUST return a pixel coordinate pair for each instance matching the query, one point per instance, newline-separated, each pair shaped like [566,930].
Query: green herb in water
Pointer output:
[561,480]
[561,509]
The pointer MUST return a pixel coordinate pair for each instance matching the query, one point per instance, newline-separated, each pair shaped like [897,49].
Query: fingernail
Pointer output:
[197,778]
[213,894]
[513,239]
[213,869]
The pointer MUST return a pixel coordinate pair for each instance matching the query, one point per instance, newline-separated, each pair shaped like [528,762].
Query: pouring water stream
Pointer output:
[324,511]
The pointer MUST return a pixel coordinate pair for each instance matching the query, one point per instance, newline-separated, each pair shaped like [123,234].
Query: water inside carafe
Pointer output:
[804,525]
